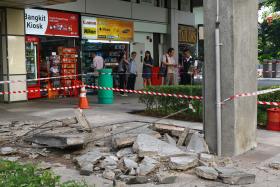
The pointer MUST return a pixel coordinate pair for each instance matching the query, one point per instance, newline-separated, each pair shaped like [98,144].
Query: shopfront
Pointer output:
[52,48]
[107,38]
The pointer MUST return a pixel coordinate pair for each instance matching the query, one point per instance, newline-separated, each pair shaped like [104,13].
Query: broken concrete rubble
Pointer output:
[59,140]
[138,180]
[183,162]
[125,152]
[87,160]
[129,164]
[108,174]
[110,162]
[7,151]
[69,121]
[169,139]
[123,141]
[197,144]
[275,165]
[206,172]
[235,177]
[207,160]
[162,178]
[183,137]
[82,120]
[147,166]
[146,145]
[166,128]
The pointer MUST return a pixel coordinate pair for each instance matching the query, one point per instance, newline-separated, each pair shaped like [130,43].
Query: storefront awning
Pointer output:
[31,3]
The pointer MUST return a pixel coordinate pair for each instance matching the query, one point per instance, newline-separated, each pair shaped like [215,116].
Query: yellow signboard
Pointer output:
[108,29]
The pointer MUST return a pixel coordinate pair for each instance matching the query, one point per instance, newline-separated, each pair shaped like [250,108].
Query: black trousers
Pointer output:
[131,82]
[122,81]
[186,78]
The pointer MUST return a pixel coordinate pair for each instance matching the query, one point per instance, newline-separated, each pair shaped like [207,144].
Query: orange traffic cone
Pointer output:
[83,98]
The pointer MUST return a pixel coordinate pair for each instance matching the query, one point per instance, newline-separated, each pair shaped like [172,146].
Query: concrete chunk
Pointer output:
[275,165]
[82,120]
[207,159]
[169,139]
[166,128]
[87,161]
[206,173]
[183,163]
[147,166]
[165,178]
[86,169]
[197,144]
[110,162]
[129,164]
[138,180]
[183,137]
[69,121]
[7,151]
[108,174]
[125,152]
[146,145]
[235,177]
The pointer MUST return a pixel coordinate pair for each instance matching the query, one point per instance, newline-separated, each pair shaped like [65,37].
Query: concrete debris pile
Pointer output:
[155,155]
[62,133]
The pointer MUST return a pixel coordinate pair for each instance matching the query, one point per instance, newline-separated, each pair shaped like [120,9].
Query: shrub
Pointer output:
[13,174]
[165,105]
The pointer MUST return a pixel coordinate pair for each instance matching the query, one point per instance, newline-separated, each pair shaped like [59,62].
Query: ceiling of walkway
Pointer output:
[31,3]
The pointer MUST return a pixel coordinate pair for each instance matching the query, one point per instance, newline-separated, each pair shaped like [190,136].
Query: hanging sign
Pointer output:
[53,23]
[187,34]
[107,29]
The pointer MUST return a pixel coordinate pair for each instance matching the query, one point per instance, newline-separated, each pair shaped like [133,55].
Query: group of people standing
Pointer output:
[127,71]
[127,68]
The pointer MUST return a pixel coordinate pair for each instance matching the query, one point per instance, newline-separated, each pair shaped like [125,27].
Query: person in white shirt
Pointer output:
[97,62]
[168,60]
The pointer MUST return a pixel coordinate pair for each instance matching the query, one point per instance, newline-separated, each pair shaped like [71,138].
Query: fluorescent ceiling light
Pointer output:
[108,41]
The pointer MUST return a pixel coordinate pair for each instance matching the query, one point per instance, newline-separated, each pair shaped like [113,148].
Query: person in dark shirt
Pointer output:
[147,69]
[188,70]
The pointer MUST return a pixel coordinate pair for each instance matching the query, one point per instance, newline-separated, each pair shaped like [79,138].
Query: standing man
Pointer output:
[188,68]
[169,62]
[132,71]
[97,62]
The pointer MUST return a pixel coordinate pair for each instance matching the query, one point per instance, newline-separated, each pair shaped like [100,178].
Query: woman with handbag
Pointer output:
[167,68]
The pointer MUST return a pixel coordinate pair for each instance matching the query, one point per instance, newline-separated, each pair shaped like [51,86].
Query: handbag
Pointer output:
[163,69]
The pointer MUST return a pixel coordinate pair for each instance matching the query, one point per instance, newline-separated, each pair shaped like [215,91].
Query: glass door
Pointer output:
[32,62]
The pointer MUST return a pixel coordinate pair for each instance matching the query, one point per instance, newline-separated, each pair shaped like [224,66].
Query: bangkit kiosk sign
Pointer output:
[53,23]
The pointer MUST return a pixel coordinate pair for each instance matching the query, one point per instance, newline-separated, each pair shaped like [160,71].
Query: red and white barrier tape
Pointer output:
[146,92]
[251,94]
[269,103]
[41,90]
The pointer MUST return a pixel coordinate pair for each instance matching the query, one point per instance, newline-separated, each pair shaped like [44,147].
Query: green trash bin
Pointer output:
[105,79]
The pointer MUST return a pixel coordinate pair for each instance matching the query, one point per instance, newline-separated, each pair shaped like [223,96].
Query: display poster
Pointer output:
[53,23]
[187,34]
[107,29]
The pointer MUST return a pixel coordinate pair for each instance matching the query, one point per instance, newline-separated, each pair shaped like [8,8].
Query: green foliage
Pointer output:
[160,105]
[13,174]
[269,40]
[274,3]
[165,105]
